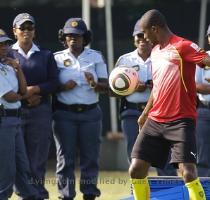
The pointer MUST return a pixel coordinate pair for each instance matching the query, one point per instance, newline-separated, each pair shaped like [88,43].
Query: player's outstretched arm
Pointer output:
[143,117]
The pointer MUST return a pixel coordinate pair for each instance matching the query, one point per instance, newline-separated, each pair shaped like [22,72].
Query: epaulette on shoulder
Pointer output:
[57,52]
[95,51]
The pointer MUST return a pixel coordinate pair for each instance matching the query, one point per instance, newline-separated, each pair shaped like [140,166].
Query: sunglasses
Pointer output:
[29,28]
[140,35]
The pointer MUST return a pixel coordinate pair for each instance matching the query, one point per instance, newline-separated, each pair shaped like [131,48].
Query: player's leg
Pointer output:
[189,174]
[149,149]
[182,133]
[138,172]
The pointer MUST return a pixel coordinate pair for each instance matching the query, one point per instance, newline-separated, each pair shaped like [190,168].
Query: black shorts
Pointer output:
[156,139]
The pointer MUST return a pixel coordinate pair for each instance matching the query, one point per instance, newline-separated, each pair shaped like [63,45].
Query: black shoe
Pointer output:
[89,197]
[29,198]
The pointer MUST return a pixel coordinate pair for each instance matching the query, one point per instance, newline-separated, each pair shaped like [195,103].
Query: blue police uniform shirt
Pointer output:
[39,68]
[143,68]
[200,76]
[72,68]
[8,82]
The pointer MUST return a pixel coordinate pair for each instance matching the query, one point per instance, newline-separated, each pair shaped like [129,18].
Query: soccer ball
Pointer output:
[123,80]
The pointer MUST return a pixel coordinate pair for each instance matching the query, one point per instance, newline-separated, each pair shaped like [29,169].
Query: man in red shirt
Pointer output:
[170,113]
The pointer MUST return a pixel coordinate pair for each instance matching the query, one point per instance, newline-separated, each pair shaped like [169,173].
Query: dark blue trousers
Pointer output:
[14,167]
[203,142]
[77,133]
[37,131]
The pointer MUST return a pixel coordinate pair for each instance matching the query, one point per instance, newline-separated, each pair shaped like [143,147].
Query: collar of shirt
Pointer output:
[136,55]
[33,49]
[83,53]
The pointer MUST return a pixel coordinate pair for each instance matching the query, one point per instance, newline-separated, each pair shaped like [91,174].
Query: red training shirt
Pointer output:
[173,73]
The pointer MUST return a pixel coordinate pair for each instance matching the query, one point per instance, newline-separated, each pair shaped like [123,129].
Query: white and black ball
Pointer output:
[123,80]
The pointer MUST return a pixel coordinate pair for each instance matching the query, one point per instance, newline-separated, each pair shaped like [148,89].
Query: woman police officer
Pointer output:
[78,117]
[40,70]
[14,162]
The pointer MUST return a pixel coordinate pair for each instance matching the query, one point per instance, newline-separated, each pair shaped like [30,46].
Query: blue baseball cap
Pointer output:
[137,30]
[3,36]
[21,18]
[75,25]
[208,30]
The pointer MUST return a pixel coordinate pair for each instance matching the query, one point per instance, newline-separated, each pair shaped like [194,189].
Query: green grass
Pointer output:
[114,185]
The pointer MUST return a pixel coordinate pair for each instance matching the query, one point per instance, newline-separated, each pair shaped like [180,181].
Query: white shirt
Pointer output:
[20,50]
[132,59]
[8,82]
[72,68]
[200,76]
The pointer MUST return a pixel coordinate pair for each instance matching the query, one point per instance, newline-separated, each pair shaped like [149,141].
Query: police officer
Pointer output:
[40,70]
[78,117]
[132,105]
[14,165]
[203,119]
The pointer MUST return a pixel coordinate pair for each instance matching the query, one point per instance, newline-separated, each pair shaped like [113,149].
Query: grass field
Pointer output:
[114,185]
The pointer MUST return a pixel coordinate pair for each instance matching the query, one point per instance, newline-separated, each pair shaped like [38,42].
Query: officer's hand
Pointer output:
[208,80]
[31,90]
[90,79]
[34,100]
[142,119]
[69,85]
[141,87]
[12,62]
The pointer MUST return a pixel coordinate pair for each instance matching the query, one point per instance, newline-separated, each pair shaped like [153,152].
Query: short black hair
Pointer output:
[154,18]
[87,37]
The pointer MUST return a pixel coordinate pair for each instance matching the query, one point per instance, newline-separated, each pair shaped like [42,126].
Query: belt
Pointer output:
[74,107]
[204,104]
[10,112]
[136,106]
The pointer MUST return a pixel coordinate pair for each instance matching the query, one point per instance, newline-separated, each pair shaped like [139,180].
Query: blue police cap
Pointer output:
[3,36]
[75,25]
[137,30]
[21,18]
[208,30]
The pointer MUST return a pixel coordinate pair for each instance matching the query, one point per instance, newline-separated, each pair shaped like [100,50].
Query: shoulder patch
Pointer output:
[67,62]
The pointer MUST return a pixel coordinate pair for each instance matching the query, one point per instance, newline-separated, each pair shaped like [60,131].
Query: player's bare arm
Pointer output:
[203,88]
[143,117]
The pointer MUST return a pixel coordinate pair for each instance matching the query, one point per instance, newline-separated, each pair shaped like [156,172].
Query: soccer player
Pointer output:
[169,117]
